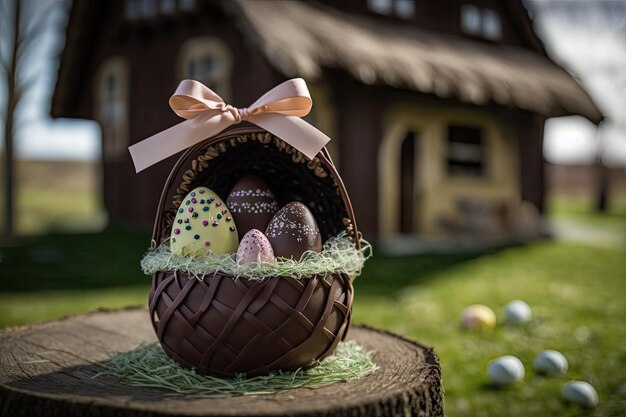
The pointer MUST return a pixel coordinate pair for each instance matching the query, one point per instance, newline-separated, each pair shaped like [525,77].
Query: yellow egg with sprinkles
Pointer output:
[203,224]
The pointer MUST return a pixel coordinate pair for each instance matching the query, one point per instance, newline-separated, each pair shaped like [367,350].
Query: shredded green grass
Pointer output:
[339,255]
[149,367]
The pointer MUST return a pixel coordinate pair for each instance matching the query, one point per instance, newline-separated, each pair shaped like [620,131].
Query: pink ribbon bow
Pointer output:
[278,111]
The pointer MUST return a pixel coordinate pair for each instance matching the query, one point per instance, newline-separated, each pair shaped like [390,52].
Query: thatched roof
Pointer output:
[300,39]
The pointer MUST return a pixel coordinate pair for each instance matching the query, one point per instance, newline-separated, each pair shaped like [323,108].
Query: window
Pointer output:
[465,151]
[470,19]
[132,9]
[167,6]
[481,22]
[323,116]
[187,5]
[404,9]
[208,60]
[149,9]
[491,25]
[380,6]
[111,106]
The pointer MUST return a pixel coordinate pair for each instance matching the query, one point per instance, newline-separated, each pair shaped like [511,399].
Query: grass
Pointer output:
[148,366]
[56,196]
[576,293]
[580,209]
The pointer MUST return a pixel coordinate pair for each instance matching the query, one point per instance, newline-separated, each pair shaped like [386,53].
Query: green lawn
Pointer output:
[580,209]
[576,293]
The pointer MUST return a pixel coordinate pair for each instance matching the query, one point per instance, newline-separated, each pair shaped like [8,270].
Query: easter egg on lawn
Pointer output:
[254,248]
[203,224]
[550,362]
[505,370]
[581,393]
[517,313]
[478,316]
[293,231]
[252,204]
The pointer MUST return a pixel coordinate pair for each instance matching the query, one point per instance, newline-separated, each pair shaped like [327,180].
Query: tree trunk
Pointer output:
[8,174]
[52,369]
[603,187]
[12,100]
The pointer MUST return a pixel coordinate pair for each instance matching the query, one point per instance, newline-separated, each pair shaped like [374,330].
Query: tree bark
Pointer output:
[51,369]
[602,196]
[13,97]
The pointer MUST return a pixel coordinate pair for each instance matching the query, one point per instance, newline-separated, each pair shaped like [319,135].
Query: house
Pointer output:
[436,108]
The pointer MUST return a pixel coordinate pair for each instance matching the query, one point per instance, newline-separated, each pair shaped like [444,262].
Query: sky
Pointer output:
[587,37]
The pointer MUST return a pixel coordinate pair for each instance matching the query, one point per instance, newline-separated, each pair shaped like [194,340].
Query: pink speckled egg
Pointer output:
[254,248]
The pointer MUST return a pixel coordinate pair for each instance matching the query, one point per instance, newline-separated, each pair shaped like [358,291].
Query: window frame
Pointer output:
[115,131]
[484,18]
[474,167]
[197,47]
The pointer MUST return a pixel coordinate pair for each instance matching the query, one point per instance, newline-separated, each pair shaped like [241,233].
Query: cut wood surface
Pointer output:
[49,369]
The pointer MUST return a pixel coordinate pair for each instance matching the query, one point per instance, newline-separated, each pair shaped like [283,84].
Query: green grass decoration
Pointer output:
[149,367]
[339,255]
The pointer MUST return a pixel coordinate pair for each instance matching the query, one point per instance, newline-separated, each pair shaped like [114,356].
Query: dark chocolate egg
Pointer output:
[293,231]
[252,204]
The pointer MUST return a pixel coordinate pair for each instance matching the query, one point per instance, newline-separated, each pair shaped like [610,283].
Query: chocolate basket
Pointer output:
[225,326]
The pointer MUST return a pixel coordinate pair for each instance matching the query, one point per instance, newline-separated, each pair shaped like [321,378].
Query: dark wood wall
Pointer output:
[443,16]
[532,162]
[150,48]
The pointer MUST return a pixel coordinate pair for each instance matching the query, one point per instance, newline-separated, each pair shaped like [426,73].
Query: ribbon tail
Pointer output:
[173,140]
[293,130]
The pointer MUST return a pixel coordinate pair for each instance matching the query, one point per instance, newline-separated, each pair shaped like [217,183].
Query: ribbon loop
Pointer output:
[278,111]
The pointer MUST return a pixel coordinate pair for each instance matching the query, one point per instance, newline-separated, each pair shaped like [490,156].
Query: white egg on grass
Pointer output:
[505,370]
[550,362]
[581,393]
[517,313]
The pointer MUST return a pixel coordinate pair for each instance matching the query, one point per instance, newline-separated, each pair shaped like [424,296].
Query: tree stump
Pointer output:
[48,370]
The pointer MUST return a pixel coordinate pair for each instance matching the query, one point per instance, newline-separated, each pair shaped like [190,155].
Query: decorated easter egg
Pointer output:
[254,248]
[550,362]
[581,393]
[505,370]
[293,231]
[517,313]
[252,204]
[203,224]
[478,316]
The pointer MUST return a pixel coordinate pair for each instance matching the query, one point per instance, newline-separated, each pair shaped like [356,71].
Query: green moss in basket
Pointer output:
[339,255]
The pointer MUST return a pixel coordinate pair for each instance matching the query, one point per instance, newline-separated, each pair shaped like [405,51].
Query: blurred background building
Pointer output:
[437,110]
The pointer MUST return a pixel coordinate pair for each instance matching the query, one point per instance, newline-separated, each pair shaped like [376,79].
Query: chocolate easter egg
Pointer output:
[293,231]
[252,203]
[203,224]
[254,248]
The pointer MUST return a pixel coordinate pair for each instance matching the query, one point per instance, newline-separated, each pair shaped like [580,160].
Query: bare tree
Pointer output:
[598,62]
[21,23]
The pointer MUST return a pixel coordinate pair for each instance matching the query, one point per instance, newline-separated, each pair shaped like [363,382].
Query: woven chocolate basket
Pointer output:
[224,326]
